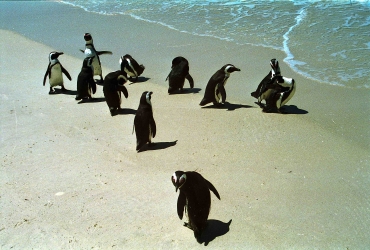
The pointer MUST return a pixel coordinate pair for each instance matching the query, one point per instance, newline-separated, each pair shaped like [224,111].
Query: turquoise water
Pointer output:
[328,41]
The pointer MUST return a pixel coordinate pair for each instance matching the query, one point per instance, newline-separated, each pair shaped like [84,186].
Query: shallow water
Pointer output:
[328,41]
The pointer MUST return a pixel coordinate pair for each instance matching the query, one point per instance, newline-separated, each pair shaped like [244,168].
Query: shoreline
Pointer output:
[71,176]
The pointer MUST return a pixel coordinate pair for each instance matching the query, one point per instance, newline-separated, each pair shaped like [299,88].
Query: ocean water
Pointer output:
[328,41]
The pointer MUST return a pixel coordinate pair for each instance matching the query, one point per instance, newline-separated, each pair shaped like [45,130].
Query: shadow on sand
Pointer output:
[139,79]
[125,112]
[187,91]
[157,146]
[228,106]
[66,92]
[215,228]
[92,100]
[286,109]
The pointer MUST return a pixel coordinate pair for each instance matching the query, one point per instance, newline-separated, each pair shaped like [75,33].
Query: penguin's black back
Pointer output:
[179,71]
[144,122]
[111,88]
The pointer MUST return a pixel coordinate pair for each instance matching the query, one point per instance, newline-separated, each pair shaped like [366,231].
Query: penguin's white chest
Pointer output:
[95,62]
[218,95]
[56,77]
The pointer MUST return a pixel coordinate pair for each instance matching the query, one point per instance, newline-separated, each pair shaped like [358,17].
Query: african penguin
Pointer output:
[263,92]
[215,90]
[90,51]
[112,87]
[85,80]
[282,90]
[131,67]
[195,198]
[54,71]
[179,72]
[144,123]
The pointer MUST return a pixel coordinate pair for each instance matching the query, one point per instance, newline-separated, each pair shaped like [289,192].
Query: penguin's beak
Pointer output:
[59,53]
[177,187]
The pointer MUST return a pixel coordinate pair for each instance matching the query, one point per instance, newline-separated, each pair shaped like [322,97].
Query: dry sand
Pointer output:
[71,179]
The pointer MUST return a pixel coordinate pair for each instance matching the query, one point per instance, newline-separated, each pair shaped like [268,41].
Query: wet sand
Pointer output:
[71,177]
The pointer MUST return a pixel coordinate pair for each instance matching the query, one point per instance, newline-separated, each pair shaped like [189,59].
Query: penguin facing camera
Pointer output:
[131,67]
[179,72]
[90,51]
[113,86]
[215,91]
[86,85]
[55,72]
[144,124]
[195,197]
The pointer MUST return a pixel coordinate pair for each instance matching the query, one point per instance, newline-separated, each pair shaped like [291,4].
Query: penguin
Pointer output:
[112,87]
[179,72]
[90,51]
[215,91]
[131,67]
[54,71]
[144,124]
[263,92]
[85,80]
[281,91]
[195,198]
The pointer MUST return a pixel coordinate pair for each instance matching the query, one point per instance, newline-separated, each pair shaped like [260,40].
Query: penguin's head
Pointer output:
[146,97]
[54,55]
[178,179]
[88,38]
[229,68]
[275,69]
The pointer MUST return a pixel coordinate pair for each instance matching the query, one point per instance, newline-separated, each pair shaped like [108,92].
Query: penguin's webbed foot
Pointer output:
[187,225]
[51,91]
[63,89]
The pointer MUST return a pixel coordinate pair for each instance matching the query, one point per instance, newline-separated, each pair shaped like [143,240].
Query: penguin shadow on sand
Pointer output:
[228,106]
[139,79]
[214,229]
[64,92]
[157,146]
[125,111]
[92,100]
[287,110]
[187,91]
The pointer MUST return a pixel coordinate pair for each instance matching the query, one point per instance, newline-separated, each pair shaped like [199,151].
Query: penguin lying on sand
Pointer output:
[85,80]
[282,90]
[131,67]
[215,90]
[144,123]
[112,88]
[54,71]
[90,51]
[195,198]
[179,72]
[263,92]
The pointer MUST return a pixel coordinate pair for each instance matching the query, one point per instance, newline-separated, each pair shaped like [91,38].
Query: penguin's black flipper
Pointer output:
[123,90]
[213,189]
[222,90]
[152,126]
[66,73]
[46,74]
[104,52]
[82,51]
[181,202]
[190,79]
[93,85]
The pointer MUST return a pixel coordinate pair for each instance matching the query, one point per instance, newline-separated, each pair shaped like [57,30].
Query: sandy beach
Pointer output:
[71,179]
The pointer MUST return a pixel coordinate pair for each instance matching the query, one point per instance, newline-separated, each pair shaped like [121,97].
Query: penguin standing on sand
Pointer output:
[131,67]
[90,51]
[179,72]
[112,87]
[144,123]
[215,90]
[263,92]
[85,80]
[54,71]
[195,198]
